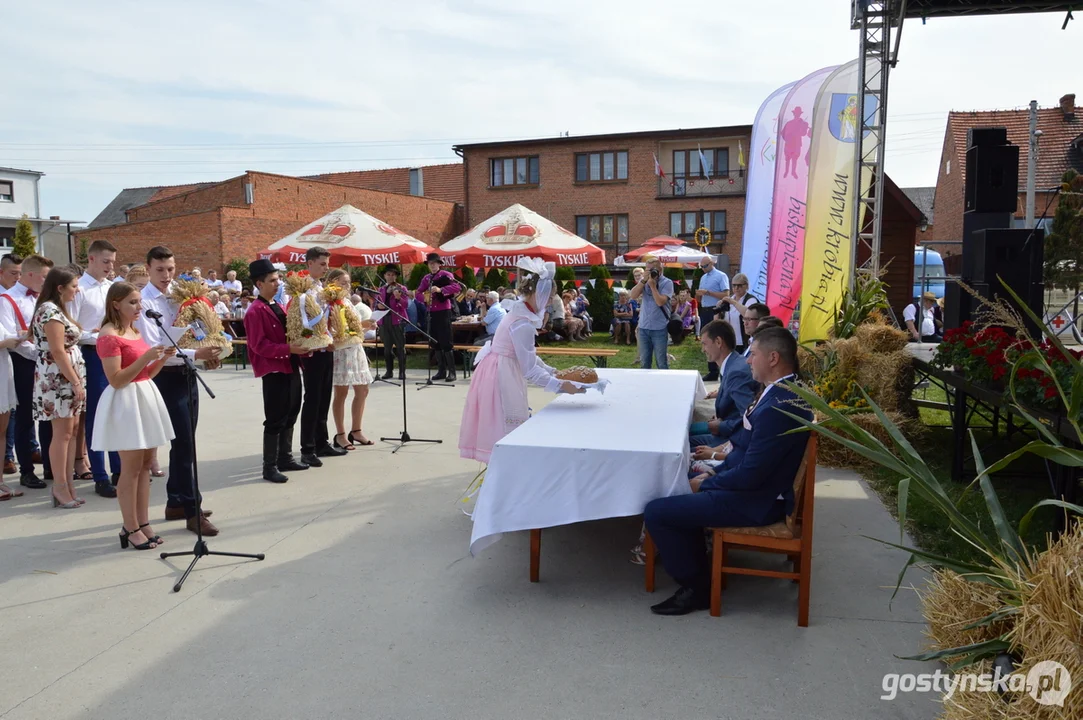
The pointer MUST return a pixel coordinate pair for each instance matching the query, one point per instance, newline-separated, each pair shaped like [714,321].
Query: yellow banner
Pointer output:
[831,198]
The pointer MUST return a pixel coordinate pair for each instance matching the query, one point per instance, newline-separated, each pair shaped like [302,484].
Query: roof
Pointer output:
[115,212]
[923,198]
[1057,149]
[441,182]
[24,172]
[645,134]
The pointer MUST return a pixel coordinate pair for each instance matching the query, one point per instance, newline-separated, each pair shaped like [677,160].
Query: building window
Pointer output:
[688,166]
[7,238]
[601,166]
[607,231]
[417,186]
[7,191]
[683,225]
[514,171]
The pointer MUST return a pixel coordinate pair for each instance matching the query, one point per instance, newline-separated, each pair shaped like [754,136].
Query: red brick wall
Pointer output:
[230,192]
[948,203]
[560,199]
[195,239]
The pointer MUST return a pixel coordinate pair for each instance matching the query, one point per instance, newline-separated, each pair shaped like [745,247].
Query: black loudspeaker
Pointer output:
[1013,258]
[972,223]
[958,305]
[992,179]
[980,137]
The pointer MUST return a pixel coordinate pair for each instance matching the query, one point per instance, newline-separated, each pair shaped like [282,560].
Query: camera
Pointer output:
[654,274]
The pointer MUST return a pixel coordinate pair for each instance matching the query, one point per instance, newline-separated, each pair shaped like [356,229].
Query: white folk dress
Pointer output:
[497,402]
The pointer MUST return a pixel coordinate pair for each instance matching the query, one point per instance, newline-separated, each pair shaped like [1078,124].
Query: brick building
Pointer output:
[209,224]
[1060,148]
[439,182]
[604,187]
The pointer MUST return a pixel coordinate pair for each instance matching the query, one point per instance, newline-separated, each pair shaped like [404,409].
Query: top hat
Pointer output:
[261,267]
[434,257]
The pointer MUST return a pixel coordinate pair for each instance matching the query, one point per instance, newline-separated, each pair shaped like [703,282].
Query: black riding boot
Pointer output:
[449,361]
[285,452]
[389,361]
[270,454]
[441,361]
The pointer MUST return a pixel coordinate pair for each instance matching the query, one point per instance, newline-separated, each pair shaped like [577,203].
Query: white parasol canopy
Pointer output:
[351,236]
[519,232]
[668,250]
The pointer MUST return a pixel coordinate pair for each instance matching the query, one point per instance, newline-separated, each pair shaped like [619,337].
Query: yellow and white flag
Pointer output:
[831,197]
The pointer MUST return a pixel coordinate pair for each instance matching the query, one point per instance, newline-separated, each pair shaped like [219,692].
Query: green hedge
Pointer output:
[601,298]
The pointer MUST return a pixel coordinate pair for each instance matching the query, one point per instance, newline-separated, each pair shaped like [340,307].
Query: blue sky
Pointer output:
[112,94]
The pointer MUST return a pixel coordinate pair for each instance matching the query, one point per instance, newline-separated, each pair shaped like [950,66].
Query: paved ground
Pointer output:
[368,604]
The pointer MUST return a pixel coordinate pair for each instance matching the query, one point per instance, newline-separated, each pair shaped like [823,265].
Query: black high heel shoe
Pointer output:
[157,540]
[124,541]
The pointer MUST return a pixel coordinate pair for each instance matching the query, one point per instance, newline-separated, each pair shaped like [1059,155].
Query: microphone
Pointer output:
[153,314]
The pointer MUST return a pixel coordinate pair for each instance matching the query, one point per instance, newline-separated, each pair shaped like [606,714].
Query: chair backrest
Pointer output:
[803,488]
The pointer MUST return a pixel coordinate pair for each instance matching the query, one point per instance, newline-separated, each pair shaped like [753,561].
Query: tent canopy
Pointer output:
[519,232]
[668,250]
[351,236]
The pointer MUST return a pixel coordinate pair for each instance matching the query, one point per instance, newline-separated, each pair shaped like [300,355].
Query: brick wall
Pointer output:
[229,192]
[560,199]
[948,204]
[194,238]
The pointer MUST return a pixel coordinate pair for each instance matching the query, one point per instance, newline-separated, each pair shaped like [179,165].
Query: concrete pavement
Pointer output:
[368,604]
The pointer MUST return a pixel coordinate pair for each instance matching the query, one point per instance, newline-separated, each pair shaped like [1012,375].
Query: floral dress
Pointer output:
[54,396]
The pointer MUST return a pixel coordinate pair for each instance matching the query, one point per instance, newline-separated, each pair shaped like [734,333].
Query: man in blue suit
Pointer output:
[736,388]
[752,487]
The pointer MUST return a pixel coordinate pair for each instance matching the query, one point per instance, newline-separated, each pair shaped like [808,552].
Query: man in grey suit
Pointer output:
[736,388]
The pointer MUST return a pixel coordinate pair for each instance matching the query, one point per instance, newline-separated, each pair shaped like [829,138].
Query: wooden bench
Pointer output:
[793,537]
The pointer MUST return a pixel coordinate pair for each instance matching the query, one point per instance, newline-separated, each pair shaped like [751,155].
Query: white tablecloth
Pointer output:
[587,457]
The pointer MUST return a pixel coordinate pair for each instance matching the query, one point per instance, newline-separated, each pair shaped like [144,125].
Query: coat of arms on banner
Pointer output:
[843,119]
[332,232]
[513,231]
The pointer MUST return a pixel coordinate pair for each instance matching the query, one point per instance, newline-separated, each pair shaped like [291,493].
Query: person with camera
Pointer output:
[656,290]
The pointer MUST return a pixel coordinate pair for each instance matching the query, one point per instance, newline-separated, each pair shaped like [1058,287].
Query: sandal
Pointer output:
[157,540]
[124,541]
[85,474]
[347,446]
[6,493]
[362,441]
[157,473]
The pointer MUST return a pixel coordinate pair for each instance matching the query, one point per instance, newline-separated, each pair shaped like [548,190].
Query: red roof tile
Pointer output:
[1055,149]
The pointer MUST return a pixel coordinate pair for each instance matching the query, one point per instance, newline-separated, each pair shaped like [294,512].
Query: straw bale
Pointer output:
[950,602]
[832,454]
[880,338]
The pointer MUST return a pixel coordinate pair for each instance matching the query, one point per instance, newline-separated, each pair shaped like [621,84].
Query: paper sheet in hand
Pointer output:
[378,315]
[176,333]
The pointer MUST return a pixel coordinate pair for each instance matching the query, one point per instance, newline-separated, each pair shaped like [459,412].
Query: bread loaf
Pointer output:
[578,374]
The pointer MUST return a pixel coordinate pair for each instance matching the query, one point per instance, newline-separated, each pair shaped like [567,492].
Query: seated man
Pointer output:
[492,312]
[736,388]
[753,486]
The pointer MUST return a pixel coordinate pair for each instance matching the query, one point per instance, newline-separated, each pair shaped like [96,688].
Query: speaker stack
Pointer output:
[994,255]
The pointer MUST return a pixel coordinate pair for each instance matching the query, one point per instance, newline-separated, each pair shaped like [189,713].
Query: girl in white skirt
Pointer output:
[132,418]
[351,369]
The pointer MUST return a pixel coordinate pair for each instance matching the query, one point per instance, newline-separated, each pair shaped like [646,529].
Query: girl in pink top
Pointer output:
[132,418]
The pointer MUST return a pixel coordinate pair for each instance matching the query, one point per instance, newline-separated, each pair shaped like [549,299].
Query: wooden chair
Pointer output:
[793,537]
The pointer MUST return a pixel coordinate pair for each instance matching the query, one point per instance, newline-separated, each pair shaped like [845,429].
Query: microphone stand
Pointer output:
[404,437]
[200,549]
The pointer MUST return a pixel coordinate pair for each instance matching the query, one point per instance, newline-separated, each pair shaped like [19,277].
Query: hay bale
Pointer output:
[831,454]
[881,338]
[969,705]
[1050,622]
[950,602]
[889,380]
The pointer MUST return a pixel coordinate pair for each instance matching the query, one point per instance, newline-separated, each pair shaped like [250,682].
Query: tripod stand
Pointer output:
[200,549]
[404,437]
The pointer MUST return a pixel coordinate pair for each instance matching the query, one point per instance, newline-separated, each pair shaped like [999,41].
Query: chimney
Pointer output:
[1067,106]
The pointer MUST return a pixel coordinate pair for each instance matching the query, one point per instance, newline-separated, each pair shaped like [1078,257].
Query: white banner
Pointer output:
[761,184]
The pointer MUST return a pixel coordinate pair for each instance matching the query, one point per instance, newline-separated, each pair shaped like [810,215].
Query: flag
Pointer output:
[761,183]
[658,167]
[703,162]
[786,243]
[740,155]
[591,282]
[609,282]
[829,245]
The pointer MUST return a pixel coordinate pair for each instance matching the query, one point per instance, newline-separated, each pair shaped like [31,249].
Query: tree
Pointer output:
[696,277]
[25,244]
[600,298]
[676,274]
[240,267]
[469,280]
[419,271]
[1063,266]
[81,251]
[494,279]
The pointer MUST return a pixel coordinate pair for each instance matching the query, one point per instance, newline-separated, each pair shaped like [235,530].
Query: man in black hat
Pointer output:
[438,290]
[278,364]
[393,296]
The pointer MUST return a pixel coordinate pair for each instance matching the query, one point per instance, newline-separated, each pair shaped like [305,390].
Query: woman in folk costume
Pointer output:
[496,403]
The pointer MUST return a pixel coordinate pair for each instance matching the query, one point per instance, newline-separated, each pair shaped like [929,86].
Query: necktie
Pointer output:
[31,293]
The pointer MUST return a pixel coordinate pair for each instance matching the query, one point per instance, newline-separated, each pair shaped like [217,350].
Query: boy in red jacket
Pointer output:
[277,362]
